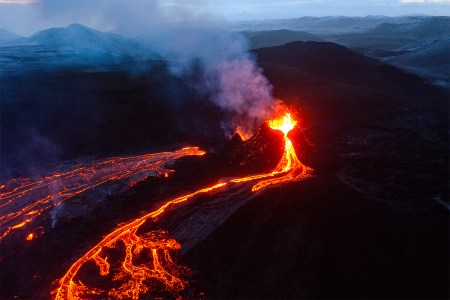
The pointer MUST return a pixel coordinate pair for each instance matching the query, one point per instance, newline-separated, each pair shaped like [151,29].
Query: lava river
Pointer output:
[22,200]
[146,264]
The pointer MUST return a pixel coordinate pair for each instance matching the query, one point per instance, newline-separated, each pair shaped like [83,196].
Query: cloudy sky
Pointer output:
[27,16]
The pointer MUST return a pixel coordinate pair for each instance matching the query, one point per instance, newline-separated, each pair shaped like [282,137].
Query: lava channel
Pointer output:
[22,200]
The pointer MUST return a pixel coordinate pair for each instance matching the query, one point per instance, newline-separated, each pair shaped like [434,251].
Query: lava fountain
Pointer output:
[132,277]
[289,167]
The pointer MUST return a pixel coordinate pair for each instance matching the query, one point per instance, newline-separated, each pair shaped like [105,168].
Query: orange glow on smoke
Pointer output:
[245,135]
[133,280]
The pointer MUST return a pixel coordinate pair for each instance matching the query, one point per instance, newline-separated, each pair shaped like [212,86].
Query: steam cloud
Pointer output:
[224,70]
[242,90]
[189,36]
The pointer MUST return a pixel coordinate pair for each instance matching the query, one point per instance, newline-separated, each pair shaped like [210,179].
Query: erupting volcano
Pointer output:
[290,168]
[157,150]
[131,263]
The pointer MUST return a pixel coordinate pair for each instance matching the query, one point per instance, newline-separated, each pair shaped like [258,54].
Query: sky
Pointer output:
[25,17]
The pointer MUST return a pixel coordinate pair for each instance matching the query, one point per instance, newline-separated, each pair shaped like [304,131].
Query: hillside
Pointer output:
[398,38]
[261,39]
[75,45]
[334,62]
[8,36]
[325,25]
[78,36]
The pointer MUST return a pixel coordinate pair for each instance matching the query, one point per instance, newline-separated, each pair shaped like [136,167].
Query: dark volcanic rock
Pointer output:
[258,154]
[319,239]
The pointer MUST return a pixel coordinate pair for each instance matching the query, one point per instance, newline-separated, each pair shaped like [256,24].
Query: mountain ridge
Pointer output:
[8,36]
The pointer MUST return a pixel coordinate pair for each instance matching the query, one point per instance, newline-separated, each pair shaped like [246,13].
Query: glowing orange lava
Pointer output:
[289,168]
[284,124]
[22,200]
[132,279]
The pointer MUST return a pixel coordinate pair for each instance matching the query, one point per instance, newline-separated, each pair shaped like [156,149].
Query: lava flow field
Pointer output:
[136,258]
[211,162]
[182,239]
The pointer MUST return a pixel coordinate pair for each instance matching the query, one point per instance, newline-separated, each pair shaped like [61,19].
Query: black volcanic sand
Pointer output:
[317,239]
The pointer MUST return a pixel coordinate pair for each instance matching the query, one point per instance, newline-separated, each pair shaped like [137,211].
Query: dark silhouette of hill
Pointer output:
[391,39]
[335,62]
[261,39]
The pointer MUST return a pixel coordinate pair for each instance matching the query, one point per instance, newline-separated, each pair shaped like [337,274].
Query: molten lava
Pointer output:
[289,168]
[134,280]
[135,277]
[22,200]
[284,124]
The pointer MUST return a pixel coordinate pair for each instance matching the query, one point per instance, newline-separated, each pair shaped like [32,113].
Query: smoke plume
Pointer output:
[190,37]
[223,69]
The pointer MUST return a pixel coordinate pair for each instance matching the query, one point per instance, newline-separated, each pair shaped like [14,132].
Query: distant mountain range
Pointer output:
[73,45]
[417,44]
[80,37]
[7,36]
[340,24]
[269,38]
[333,62]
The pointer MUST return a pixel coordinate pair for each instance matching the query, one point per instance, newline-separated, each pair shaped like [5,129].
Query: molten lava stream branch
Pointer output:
[154,241]
[22,200]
